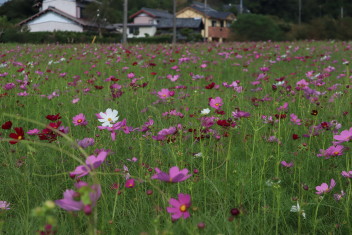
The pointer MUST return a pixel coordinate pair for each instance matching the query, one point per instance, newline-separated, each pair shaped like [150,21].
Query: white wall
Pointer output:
[142,31]
[67,6]
[52,22]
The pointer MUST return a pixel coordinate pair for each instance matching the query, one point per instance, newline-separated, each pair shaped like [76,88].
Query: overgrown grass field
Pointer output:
[233,138]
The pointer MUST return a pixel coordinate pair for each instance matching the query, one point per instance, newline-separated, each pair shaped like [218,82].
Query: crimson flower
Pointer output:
[53,117]
[7,125]
[19,135]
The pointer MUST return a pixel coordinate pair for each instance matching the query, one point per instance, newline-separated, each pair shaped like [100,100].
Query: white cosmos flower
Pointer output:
[109,117]
[298,210]
[205,111]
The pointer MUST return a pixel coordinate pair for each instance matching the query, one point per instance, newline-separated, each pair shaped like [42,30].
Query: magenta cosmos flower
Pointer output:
[92,162]
[79,120]
[332,151]
[324,187]
[174,176]
[83,199]
[345,136]
[165,93]
[216,103]
[179,207]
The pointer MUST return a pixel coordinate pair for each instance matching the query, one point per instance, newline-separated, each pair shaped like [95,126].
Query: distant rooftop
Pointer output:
[207,10]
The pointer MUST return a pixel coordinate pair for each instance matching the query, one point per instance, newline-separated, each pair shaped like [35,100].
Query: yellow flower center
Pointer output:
[109,119]
[19,137]
[183,208]
[217,104]
[336,153]
[79,120]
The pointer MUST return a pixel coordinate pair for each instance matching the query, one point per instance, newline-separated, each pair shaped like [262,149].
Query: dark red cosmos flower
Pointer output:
[134,63]
[295,136]
[7,125]
[210,86]
[19,135]
[221,112]
[280,116]
[153,73]
[223,123]
[53,117]
[98,87]
[325,125]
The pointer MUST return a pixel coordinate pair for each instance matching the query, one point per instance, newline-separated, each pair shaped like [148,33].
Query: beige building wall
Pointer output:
[54,26]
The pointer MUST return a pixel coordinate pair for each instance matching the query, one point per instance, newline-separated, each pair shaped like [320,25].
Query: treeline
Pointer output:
[268,20]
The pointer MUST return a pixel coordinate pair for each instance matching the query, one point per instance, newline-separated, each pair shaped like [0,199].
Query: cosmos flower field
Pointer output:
[233,138]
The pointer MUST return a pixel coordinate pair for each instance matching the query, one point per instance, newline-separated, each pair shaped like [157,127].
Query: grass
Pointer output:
[236,166]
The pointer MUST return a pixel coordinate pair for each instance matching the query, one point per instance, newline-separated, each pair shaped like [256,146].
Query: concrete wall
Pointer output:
[67,6]
[142,31]
[52,22]
[143,19]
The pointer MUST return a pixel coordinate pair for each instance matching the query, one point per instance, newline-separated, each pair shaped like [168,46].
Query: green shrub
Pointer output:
[13,36]
[252,27]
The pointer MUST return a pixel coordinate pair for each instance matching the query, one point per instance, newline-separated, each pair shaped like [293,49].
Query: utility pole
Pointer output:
[299,11]
[124,30]
[174,24]
[241,6]
[205,20]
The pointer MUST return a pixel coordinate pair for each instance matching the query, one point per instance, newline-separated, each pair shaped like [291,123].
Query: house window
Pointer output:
[213,23]
[221,23]
[134,30]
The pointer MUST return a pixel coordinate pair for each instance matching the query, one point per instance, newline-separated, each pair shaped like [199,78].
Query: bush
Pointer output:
[13,36]
[252,27]
[155,39]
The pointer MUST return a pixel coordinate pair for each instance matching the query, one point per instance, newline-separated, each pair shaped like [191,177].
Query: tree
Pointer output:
[251,27]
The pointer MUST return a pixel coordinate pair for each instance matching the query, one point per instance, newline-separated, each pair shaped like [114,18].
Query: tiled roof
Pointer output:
[153,13]
[158,13]
[207,10]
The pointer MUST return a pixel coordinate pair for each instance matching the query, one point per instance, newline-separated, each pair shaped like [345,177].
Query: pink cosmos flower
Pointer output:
[344,136]
[33,132]
[4,205]
[324,188]
[288,165]
[79,120]
[332,151]
[175,175]
[216,103]
[284,107]
[83,199]
[130,183]
[180,207]
[92,162]
[86,142]
[302,84]
[294,119]
[165,93]
[346,174]
[240,114]
[75,100]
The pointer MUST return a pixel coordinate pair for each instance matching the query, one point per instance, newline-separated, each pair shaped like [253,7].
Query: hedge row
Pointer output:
[13,36]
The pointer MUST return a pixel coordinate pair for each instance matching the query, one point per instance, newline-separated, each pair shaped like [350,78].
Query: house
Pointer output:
[216,23]
[151,22]
[60,15]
